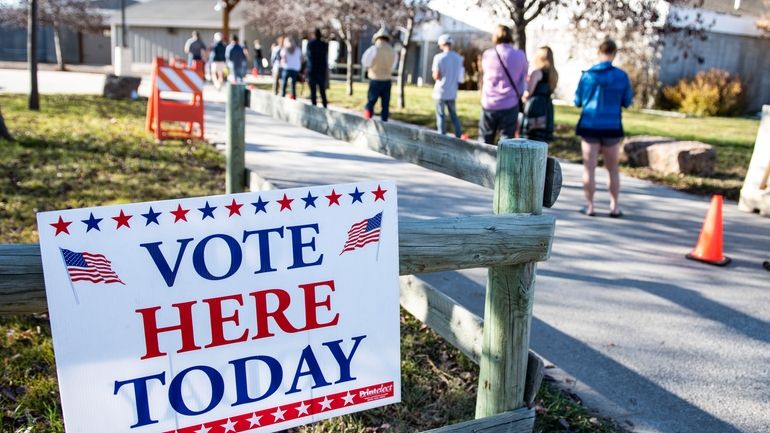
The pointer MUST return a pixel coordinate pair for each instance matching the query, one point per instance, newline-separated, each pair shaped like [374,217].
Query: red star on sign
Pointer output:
[285,202]
[235,208]
[61,226]
[122,220]
[179,213]
[379,194]
[334,198]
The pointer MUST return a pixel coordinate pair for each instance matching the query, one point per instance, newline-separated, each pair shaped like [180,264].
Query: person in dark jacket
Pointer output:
[237,59]
[317,67]
[218,60]
[602,93]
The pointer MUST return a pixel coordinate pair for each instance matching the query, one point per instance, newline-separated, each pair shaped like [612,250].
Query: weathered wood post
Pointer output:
[235,128]
[510,289]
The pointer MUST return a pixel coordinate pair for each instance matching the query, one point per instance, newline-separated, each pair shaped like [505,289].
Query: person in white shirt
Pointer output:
[291,63]
[449,72]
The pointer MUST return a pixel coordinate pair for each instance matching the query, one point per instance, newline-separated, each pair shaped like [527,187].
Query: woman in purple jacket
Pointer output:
[602,92]
[504,78]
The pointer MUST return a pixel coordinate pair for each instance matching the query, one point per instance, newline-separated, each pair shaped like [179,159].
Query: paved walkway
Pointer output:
[666,344]
[660,343]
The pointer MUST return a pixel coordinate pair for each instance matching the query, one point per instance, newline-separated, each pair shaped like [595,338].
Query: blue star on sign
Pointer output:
[260,205]
[151,216]
[309,200]
[92,223]
[356,196]
[207,210]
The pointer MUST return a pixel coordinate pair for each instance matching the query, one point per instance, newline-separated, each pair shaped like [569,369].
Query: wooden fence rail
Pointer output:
[424,246]
[524,180]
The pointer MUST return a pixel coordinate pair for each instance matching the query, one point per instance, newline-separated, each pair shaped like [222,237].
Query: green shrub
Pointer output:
[711,93]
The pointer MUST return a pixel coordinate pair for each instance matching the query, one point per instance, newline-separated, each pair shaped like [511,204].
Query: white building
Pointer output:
[733,43]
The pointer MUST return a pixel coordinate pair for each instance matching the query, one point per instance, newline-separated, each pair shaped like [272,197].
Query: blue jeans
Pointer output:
[237,70]
[285,75]
[379,89]
[441,117]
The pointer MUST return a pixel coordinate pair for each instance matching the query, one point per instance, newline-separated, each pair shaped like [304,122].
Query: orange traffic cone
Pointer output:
[709,246]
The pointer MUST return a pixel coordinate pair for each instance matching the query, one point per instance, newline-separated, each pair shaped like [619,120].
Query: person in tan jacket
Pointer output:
[379,60]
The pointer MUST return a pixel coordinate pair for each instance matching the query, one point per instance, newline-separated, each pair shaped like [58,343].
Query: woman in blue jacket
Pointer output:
[602,92]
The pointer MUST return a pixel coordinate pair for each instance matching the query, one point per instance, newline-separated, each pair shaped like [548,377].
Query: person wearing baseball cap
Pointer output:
[448,73]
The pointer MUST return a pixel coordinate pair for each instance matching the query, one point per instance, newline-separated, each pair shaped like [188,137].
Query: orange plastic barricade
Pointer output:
[188,111]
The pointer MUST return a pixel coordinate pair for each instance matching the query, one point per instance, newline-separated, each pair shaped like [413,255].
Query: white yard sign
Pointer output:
[246,312]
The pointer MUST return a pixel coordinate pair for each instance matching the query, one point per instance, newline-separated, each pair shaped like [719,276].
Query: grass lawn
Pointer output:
[732,137]
[87,151]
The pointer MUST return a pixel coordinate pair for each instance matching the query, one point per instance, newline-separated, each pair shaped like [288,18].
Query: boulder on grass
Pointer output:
[682,157]
[635,148]
[121,87]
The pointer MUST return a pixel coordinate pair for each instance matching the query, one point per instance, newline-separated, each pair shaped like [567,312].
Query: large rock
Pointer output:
[685,157]
[635,148]
[123,87]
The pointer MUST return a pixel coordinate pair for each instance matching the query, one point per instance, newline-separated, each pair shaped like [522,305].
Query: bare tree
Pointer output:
[79,15]
[4,133]
[597,15]
[519,13]
[33,102]
[345,18]
[407,13]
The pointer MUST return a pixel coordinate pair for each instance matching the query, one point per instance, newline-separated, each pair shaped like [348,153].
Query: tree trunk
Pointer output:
[57,46]
[349,74]
[520,24]
[521,36]
[226,22]
[4,133]
[33,103]
[402,63]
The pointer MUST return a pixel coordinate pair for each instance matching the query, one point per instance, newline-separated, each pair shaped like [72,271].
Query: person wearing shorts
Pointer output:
[603,92]
[218,61]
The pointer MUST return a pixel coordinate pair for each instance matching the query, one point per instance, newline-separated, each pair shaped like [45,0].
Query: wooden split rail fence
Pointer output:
[509,243]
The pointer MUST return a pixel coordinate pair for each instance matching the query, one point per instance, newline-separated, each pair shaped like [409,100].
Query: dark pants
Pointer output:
[294,75]
[494,121]
[320,84]
[379,89]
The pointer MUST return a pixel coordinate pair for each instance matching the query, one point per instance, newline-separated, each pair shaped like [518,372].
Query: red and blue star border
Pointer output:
[232,209]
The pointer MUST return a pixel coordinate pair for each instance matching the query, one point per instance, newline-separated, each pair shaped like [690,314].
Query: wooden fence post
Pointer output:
[235,130]
[510,289]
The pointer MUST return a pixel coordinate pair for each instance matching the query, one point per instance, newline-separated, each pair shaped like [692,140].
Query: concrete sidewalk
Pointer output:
[657,342]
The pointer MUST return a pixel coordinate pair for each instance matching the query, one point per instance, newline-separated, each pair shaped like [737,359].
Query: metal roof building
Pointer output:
[159,28]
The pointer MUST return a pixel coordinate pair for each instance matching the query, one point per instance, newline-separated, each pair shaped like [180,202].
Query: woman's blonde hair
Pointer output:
[502,35]
[544,60]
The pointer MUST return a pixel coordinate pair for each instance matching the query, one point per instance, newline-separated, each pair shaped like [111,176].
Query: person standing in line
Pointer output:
[257,56]
[317,67]
[602,92]
[504,75]
[237,60]
[448,72]
[275,63]
[195,48]
[538,107]
[291,64]
[218,61]
[379,60]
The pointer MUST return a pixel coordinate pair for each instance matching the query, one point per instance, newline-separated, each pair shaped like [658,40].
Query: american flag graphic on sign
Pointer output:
[85,266]
[362,233]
